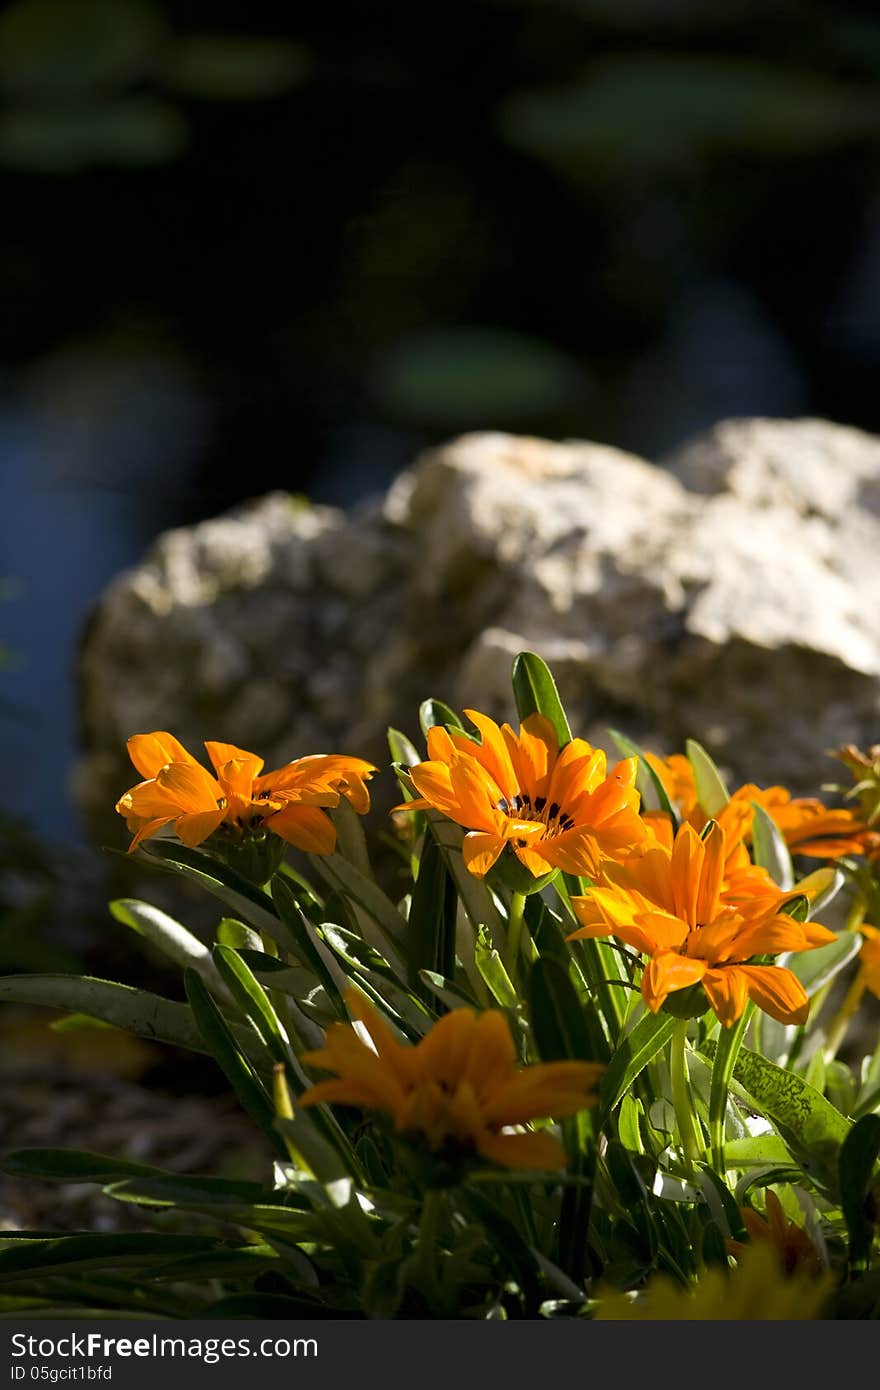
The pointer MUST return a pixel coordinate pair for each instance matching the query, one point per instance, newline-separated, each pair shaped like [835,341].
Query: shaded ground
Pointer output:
[156,1113]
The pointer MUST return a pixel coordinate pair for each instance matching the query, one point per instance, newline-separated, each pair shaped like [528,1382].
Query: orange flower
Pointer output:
[869,959]
[288,802]
[807,825]
[670,905]
[555,808]
[796,1251]
[458,1089]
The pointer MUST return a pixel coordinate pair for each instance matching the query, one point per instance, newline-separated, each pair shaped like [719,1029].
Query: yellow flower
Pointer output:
[756,1290]
[555,808]
[459,1088]
[240,797]
[670,905]
[794,1249]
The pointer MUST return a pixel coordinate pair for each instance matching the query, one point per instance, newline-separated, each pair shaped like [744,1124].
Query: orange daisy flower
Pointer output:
[670,905]
[796,1251]
[178,790]
[459,1088]
[807,825]
[555,808]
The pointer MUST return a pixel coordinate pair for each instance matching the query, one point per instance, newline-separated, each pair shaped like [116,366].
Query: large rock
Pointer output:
[731,595]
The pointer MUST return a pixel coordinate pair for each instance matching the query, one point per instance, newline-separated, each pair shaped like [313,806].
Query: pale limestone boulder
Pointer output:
[730,595]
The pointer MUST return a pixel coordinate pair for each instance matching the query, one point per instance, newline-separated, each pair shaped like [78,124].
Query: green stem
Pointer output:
[681,1094]
[726,1052]
[514,934]
[838,1026]
[433,1211]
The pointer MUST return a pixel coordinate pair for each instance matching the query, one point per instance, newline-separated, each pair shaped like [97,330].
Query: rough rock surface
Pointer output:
[730,595]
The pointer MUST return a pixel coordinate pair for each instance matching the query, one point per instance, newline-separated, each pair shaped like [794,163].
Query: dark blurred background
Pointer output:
[245,252]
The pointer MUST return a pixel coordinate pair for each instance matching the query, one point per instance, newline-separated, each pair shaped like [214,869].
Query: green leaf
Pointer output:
[821,887]
[402,749]
[172,939]
[309,948]
[244,1262]
[231,932]
[858,1159]
[351,842]
[818,967]
[164,1189]
[73,1165]
[808,1123]
[557,1015]
[366,894]
[38,1257]
[434,712]
[492,970]
[632,1054]
[451,994]
[135,1010]
[225,1050]
[534,692]
[432,914]
[769,849]
[253,1001]
[761,1150]
[712,793]
[476,898]
[224,883]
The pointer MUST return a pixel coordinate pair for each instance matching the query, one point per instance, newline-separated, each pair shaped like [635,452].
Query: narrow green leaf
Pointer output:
[769,848]
[73,1165]
[632,1054]
[492,970]
[476,898]
[135,1010]
[37,1258]
[351,842]
[402,749]
[172,939]
[451,994]
[821,887]
[232,888]
[232,1061]
[309,948]
[818,967]
[253,1001]
[366,894]
[534,692]
[712,793]
[435,712]
[557,1016]
[432,914]
[243,1262]
[858,1159]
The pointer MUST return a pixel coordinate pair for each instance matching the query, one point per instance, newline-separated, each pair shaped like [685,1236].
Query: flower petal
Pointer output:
[522,1150]
[306,827]
[151,752]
